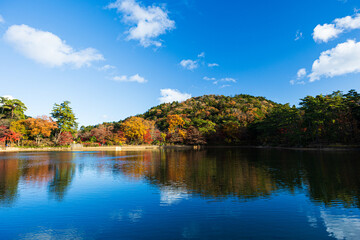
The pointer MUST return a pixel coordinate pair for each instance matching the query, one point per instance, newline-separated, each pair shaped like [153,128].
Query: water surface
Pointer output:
[207,194]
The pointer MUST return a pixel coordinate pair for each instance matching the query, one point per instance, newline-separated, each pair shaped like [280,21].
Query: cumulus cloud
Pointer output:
[213,65]
[348,22]
[327,32]
[47,48]
[301,74]
[147,23]
[1,19]
[135,78]
[340,60]
[170,95]
[189,64]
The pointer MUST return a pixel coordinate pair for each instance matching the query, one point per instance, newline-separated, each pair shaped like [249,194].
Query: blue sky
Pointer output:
[113,59]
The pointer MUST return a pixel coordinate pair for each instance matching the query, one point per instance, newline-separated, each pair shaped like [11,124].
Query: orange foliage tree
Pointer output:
[39,127]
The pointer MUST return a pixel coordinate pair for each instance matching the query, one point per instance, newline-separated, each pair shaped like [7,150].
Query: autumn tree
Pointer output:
[134,129]
[102,133]
[66,138]
[119,137]
[147,137]
[8,135]
[175,122]
[40,127]
[194,137]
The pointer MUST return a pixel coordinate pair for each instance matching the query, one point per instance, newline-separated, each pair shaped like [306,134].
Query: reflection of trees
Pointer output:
[53,169]
[328,177]
[334,178]
[202,173]
[9,179]
[64,171]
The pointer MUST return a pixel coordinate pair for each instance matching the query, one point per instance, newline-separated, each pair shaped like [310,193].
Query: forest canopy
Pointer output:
[210,119]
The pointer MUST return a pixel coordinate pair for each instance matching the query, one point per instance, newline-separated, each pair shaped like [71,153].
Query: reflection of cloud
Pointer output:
[170,195]
[312,221]
[132,215]
[135,215]
[53,234]
[341,226]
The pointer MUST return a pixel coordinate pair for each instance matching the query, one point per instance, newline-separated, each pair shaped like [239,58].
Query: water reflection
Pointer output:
[329,178]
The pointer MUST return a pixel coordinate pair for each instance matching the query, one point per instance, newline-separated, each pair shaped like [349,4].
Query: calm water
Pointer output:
[209,194]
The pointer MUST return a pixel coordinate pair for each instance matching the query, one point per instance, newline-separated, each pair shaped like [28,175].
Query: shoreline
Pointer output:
[174,147]
[99,149]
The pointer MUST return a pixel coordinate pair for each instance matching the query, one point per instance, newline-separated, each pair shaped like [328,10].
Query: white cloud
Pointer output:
[171,95]
[2,19]
[343,59]
[106,67]
[147,22]
[134,78]
[209,79]
[228,80]
[326,32]
[47,48]
[189,64]
[225,80]
[301,73]
[348,22]
[213,65]
[233,80]
[300,82]
[201,55]
[225,85]
[299,35]
[8,97]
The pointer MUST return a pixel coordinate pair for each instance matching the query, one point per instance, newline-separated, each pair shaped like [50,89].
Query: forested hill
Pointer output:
[214,119]
[212,109]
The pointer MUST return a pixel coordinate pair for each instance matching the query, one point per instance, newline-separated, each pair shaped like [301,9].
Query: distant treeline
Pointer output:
[210,119]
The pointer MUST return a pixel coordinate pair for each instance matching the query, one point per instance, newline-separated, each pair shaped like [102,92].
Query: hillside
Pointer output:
[218,117]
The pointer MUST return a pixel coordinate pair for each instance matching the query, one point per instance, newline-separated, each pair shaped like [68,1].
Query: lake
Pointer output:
[220,193]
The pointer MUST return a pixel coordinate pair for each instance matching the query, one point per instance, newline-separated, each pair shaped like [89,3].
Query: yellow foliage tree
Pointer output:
[19,127]
[134,129]
[175,122]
